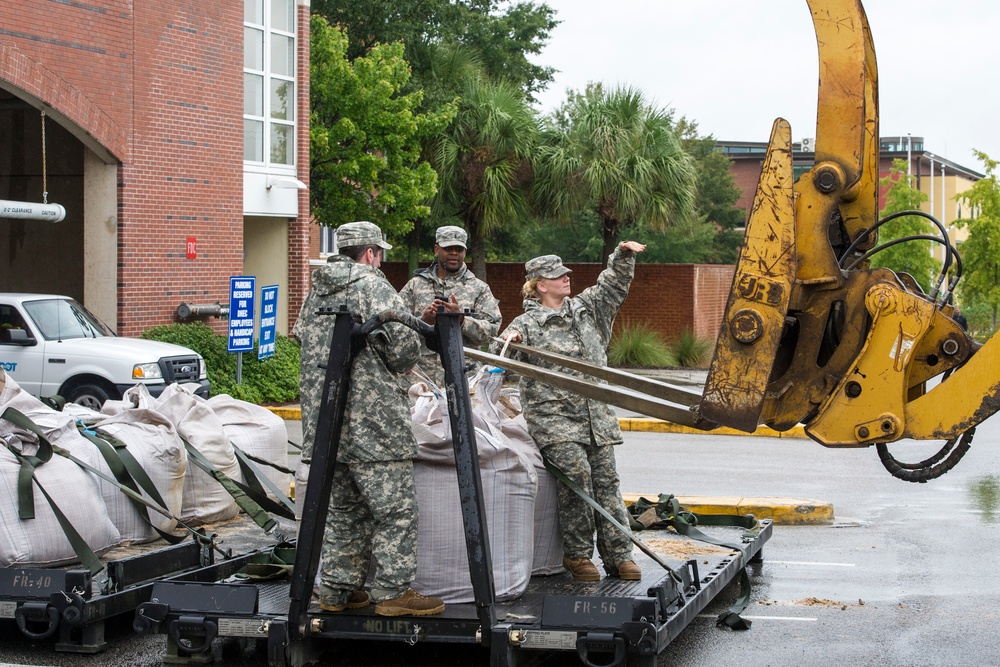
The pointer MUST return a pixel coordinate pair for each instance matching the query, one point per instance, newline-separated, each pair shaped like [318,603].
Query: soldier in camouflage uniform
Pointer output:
[573,433]
[373,505]
[449,277]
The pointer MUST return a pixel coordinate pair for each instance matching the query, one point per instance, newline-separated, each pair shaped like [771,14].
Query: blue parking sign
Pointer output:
[268,320]
[241,311]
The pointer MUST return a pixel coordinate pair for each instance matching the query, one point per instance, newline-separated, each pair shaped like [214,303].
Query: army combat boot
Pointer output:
[410,603]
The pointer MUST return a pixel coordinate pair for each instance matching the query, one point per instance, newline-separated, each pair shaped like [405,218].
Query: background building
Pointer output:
[940,179]
[176,136]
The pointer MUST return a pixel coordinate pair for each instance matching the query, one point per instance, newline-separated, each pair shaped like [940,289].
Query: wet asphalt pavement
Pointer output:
[905,576]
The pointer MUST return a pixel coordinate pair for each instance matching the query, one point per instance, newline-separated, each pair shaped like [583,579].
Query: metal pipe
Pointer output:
[186,310]
[23,210]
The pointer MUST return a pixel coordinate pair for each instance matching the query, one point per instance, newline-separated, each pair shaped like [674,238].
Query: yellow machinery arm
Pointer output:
[811,333]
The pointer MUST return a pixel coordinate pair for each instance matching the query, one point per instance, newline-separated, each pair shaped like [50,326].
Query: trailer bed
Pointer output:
[608,619]
[68,605]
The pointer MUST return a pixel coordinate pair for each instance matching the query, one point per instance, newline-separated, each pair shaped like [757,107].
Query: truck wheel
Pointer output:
[89,395]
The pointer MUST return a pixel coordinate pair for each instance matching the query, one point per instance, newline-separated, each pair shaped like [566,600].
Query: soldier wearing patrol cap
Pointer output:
[573,433]
[450,278]
[373,504]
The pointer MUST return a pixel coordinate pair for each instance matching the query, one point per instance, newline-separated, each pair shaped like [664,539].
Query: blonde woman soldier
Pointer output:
[573,433]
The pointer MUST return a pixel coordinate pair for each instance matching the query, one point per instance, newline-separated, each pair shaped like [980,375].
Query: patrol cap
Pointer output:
[360,233]
[450,235]
[546,266]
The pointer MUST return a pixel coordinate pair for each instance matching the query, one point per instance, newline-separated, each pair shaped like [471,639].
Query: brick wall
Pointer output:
[185,175]
[160,86]
[300,244]
[667,297]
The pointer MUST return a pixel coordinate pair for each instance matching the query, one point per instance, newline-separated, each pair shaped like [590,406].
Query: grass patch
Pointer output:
[691,351]
[637,345]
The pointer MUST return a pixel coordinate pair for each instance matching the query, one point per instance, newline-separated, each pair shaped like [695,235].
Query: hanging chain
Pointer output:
[45,177]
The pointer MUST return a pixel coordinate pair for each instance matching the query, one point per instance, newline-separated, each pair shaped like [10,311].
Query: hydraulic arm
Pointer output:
[812,334]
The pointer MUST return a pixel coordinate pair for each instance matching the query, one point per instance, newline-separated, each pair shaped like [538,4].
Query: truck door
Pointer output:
[22,349]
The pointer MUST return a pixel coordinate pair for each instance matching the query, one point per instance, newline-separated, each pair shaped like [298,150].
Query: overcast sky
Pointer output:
[736,65]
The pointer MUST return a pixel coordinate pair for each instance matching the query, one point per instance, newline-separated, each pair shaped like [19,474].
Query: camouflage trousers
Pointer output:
[372,518]
[592,468]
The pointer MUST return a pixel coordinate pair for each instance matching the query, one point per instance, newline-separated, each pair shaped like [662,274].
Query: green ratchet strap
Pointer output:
[668,511]
[25,497]
[254,478]
[240,492]
[130,475]
[561,476]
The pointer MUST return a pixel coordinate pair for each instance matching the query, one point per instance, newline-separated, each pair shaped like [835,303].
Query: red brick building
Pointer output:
[939,178]
[175,134]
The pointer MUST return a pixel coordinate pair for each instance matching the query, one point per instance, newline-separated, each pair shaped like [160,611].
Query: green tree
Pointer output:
[483,163]
[618,156]
[980,286]
[366,136]
[717,194]
[503,33]
[913,257]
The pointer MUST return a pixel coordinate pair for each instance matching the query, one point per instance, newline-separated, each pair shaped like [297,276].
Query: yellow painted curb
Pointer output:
[783,511]
[659,426]
[290,413]
[626,423]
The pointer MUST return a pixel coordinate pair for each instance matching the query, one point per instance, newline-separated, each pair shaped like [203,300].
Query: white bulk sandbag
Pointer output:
[41,541]
[205,500]
[548,554]
[509,484]
[153,442]
[505,407]
[258,432]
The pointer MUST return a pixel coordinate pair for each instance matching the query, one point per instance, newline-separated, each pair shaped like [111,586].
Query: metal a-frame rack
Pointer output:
[605,622]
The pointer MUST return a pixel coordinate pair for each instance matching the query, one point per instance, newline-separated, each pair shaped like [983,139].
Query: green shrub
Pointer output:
[639,346]
[691,351]
[272,380]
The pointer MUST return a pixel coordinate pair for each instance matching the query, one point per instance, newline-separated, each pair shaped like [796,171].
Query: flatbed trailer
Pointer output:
[607,622]
[70,605]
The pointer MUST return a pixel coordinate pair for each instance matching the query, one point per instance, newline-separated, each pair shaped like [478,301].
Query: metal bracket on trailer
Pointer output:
[193,614]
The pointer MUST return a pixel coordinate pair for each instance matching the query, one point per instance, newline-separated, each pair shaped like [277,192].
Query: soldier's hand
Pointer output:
[430,313]
[634,246]
[450,306]
[513,336]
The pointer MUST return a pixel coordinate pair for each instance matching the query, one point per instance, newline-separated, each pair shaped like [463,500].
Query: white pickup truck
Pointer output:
[52,345]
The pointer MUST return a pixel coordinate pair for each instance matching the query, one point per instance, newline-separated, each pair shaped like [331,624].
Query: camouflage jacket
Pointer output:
[377,418]
[470,292]
[580,328]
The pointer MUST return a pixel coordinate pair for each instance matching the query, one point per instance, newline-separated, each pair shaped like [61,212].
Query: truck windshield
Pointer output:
[62,319]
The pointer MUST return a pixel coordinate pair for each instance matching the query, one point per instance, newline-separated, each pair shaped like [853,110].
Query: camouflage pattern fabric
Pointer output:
[580,328]
[470,292]
[373,502]
[572,432]
[373,514]
[377,419]
[593,469]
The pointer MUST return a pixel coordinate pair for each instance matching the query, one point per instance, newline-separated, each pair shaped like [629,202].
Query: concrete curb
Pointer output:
[647,424]
[783,511]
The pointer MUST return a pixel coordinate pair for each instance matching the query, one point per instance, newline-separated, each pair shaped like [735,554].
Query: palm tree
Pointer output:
[483,162]
[618,156]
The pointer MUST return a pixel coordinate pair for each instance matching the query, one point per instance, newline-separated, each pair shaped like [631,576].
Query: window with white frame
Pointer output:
[269,82]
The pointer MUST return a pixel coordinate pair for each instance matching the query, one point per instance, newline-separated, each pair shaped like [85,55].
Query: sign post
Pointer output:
[241,309]
[268,321]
